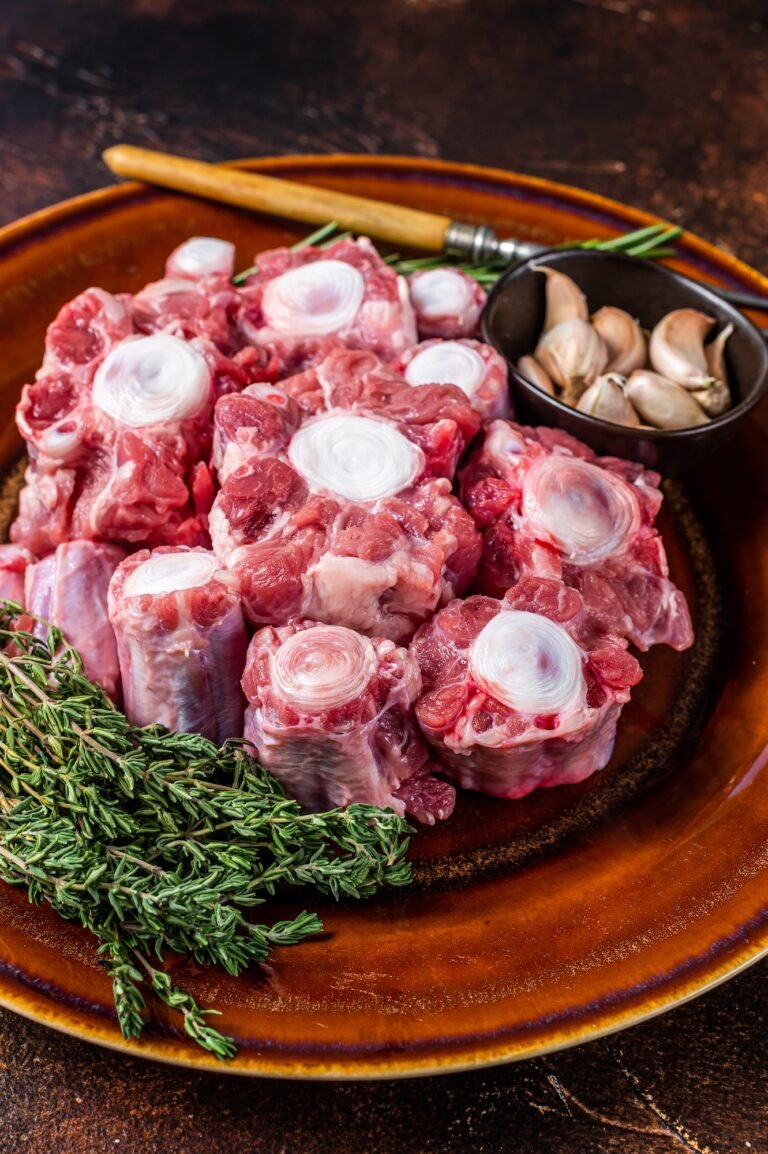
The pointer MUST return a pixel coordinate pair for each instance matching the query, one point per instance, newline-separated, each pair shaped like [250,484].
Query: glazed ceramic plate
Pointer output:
[531,925]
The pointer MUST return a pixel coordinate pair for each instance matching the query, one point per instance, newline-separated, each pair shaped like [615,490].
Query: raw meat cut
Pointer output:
[330,715]
[298,301]
[341,521]
[202,256]
[447,302]
[181,642]
[478,370]
[547,505]
[439,418]
[69,589]
[114,456]
[13,565]
[204,312]
[247,425]
[515,696]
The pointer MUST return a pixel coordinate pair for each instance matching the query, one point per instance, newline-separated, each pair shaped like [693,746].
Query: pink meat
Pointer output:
[259,420]
[491,742]
[181,642]
[205,311]
[299,549]
[381,568]
[383,320]
[14,560]
[547,505]
[447,303]
[439,418]
[69,589]
[330,715]
[93,476]
[474,367]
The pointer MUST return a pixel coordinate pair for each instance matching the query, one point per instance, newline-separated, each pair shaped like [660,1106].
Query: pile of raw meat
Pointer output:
[260,510]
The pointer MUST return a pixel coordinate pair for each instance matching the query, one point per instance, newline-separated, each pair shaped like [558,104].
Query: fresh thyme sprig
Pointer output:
[160,842]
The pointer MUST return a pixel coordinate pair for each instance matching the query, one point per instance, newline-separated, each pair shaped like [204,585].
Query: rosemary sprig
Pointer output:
[651,243]
[161,842]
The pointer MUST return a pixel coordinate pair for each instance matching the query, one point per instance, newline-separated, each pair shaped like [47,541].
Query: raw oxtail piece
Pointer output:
[447,302]
[330,715]
[437,417]
[546,505]
[298,301]
[69,589]
[112,454]
[344,525]
[181,642]
[478,370]
[14,560]
[515,697]
[202,256]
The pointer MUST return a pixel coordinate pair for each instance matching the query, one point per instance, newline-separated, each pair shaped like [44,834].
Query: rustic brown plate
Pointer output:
[534,924]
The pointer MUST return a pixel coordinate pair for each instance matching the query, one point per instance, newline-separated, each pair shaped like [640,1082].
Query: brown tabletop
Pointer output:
[662,103]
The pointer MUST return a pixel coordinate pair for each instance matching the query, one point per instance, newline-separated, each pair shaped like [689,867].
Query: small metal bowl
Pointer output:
[514,317]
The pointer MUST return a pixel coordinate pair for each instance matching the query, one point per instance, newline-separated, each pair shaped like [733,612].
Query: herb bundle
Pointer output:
[160,842]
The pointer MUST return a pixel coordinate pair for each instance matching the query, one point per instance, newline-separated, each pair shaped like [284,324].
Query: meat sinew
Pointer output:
[298,301]
[69,589]
[341,521]
[447,302]
[113,458]
[181,642]
[330,715]
[478,370]
[547,505]
[201,256]
[515,698]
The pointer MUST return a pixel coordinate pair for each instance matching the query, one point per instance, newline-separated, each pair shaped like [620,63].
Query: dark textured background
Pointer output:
[661,104]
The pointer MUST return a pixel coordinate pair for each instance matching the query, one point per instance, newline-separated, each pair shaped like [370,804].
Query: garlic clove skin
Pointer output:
[715,400]
[565,300]
[530,368]
[573,355]
[676,348]
[627,349]
[662,403]
[715,355]
[607,401]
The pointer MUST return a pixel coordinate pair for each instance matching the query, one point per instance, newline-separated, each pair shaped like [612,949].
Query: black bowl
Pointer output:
[514,317]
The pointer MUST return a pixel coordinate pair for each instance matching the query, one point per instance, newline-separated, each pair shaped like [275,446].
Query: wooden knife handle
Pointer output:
[275,197]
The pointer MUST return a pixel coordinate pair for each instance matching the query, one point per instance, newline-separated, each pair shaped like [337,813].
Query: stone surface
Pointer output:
[664,105]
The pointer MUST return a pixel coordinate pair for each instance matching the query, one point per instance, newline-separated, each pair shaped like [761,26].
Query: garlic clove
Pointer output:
[573,354]
[662,403]
[565,300]
[715,355]
[606,399]
[676,348]
[530,368]
[714,400]
[622,334]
